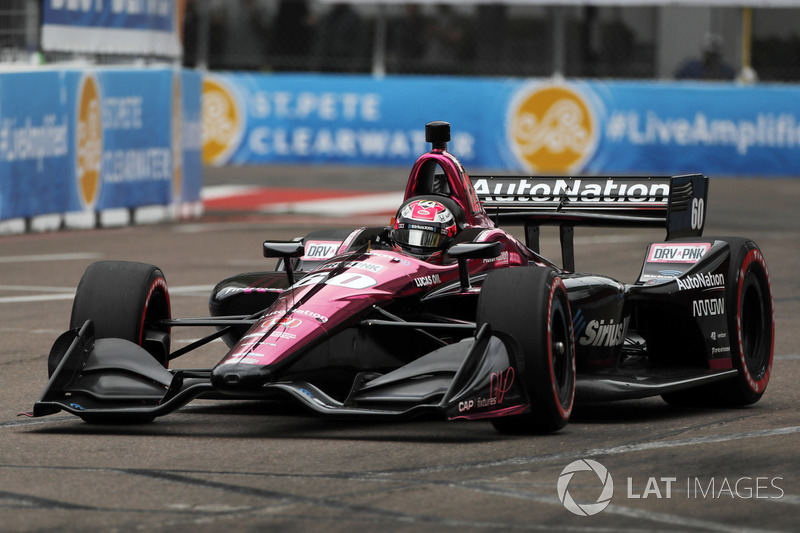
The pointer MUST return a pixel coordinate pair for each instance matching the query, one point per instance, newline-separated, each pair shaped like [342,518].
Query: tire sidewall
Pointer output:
[558,308]
[531,305]
[749,272]
[120,297]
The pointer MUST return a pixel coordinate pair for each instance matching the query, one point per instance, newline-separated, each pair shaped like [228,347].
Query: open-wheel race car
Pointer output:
[443,312]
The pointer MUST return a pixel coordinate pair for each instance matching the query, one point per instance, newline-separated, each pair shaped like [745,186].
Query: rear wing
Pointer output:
[677,203]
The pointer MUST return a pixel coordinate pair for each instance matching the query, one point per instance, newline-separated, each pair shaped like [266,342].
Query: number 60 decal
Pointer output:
[698,212]
[348,280]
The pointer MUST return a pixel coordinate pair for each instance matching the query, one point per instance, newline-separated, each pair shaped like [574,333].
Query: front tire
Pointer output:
[531,305]
[125,300]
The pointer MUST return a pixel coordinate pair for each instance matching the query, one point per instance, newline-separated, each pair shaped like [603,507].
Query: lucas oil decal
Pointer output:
[427,281]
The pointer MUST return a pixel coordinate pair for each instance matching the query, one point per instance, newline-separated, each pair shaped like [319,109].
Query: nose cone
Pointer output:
[239,377]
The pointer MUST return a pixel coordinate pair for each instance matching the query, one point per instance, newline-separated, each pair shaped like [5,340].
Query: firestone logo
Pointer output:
[585,509]
[552,128]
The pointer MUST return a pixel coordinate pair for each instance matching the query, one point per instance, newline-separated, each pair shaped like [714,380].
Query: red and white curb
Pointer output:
[330,203]
[314,202]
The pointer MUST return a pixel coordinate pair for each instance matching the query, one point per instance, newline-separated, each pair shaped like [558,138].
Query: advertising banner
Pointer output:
[148,27]
[34,145]
[187,136]
[337,119]
[81,142]
[536,126]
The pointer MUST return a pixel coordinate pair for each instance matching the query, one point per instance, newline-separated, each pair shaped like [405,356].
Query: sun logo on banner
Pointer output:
[177,137]
[223,121]
[551,128]
[89,141]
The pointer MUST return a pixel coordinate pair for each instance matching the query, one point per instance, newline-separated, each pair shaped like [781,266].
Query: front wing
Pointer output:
[113,379]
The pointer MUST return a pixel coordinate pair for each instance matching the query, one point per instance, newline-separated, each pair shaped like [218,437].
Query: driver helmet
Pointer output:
[424,226]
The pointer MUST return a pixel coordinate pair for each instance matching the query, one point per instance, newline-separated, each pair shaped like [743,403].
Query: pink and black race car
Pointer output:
[444,313]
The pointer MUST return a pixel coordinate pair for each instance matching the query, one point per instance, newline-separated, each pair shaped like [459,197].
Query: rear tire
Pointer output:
[752,326]
[751,331]
[532,306]
[125,300]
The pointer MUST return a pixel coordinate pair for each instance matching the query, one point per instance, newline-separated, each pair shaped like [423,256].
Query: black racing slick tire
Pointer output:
[125,300]
[751,323]
[751,331]
[531,305]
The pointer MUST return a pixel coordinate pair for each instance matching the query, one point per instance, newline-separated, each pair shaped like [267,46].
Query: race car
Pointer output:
[443,312]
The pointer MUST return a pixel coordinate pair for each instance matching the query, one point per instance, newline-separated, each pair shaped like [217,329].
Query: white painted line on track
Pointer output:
[640,514]
[35,288]
[343,207]
[36,298]
[49,257]
[614,450]
[212,192]
[190,289]
[662,518]
[65,293]
[695,441]
[791,499]
[26,421]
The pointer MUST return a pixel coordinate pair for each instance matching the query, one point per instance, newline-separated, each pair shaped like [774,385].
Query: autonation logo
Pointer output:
[595,479]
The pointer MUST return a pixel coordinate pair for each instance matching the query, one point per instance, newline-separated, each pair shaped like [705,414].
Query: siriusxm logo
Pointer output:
[598,333]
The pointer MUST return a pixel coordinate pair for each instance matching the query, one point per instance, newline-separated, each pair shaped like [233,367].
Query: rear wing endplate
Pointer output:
[677,203]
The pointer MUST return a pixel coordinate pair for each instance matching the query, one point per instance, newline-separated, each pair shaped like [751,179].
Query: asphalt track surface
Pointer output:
[248,466]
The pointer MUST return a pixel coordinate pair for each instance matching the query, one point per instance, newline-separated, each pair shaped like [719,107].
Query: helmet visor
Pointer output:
[419,237]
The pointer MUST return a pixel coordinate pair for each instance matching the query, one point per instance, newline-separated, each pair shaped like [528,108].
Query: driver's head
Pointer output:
[424,226]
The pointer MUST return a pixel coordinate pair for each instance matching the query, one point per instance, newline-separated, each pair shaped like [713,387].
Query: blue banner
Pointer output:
[188,134]
[88,141]
[694,127]
[34,145]
[112,26]
[340,119]
[537,126]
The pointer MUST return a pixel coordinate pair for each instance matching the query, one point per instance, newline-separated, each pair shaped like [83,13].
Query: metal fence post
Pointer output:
[379,44]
